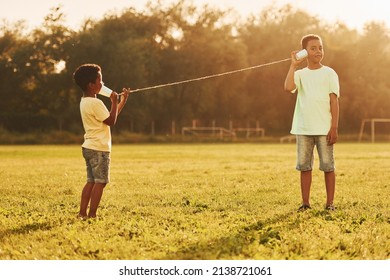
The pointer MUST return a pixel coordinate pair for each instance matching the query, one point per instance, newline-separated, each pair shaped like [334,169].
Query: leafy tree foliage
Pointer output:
[173,43]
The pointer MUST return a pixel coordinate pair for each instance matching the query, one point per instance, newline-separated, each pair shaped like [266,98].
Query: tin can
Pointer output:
[301,54]
[105,91]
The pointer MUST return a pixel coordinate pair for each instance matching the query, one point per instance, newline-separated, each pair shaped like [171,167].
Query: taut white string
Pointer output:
[210,76]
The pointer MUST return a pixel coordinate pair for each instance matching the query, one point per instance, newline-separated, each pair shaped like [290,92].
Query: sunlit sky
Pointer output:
[354,13]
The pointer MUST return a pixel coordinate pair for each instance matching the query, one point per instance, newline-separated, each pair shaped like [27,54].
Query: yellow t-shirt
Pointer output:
[312,114]
[97,134]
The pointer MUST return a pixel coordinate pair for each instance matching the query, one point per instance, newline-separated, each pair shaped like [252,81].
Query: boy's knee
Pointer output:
[328,170]
[100,185]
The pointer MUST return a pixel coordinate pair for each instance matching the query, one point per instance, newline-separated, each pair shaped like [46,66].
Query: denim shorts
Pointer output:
[98,165]
[305,154]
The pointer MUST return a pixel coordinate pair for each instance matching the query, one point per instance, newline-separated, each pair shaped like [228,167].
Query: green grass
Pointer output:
[194,201]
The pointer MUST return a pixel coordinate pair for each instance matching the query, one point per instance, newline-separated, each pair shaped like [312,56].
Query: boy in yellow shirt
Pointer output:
[97,121]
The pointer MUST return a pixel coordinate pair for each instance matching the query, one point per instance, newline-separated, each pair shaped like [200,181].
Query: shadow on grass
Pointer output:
[264,232]
[25,229]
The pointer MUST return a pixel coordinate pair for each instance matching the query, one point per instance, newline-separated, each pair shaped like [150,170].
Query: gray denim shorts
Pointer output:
[305,154]
[98,165]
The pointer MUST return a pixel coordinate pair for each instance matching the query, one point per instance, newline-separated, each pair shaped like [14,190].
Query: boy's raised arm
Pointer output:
[289,83]
[124,95]
[111,120]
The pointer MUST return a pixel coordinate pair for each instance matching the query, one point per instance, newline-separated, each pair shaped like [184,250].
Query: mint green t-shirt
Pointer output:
[312,114]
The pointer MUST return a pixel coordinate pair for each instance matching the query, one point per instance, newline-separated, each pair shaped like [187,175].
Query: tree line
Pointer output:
[179,42]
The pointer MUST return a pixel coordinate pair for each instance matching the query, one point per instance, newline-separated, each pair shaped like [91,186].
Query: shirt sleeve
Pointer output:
[297,81]
[334,86]
[100,111]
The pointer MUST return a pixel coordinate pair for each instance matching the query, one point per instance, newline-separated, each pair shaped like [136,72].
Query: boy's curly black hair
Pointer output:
[85,74]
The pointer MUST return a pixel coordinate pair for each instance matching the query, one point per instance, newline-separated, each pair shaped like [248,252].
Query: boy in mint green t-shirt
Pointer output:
[316,116]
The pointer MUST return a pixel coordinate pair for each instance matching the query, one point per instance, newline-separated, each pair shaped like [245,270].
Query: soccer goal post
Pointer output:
[372,122]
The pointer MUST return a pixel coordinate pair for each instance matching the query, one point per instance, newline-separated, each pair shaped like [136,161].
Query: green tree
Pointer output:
[200,43]
[126,48]
[50,43]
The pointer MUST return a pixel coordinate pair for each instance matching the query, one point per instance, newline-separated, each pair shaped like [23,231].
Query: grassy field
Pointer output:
[190,201]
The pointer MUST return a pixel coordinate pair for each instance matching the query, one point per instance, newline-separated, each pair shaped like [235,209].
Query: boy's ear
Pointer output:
[89,85]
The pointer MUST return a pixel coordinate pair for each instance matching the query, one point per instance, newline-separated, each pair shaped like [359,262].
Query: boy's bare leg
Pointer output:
[85,198]
[330,183]
[306,178]
[96,195]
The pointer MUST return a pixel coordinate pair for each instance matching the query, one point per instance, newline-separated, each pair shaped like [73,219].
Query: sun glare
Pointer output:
[177,34]
[60,66]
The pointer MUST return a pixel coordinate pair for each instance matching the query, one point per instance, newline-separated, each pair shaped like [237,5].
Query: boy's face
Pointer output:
[315,51]
[98,84]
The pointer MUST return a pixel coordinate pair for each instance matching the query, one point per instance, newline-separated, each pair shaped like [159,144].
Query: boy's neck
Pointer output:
[89,94]
[314,66]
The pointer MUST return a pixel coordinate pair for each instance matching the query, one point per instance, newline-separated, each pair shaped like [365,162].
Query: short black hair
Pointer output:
[305,39]
[85,74]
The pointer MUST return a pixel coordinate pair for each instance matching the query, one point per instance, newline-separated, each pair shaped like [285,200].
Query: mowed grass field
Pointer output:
[194,201]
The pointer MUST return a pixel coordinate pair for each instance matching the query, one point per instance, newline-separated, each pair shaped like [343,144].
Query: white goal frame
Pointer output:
[372,121]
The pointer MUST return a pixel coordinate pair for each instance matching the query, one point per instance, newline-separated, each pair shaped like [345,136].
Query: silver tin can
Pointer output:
[301,54]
